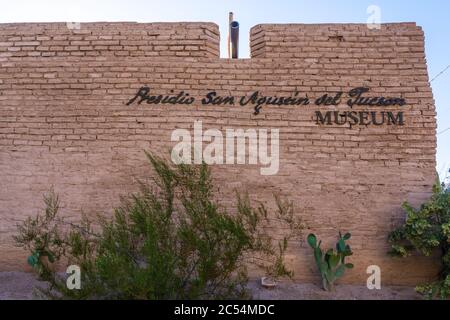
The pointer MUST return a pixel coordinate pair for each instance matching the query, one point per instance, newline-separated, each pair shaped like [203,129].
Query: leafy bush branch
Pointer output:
[427,230]
[170,240]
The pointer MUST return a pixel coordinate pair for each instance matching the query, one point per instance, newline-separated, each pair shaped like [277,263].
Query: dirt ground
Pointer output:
[19,286]
[289,290]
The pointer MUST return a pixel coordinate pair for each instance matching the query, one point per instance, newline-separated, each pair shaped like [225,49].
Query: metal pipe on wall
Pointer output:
[234,39]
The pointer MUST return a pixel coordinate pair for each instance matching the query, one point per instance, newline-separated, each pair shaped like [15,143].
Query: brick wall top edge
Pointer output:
[106,23]
[274,40]
[324,25]
[122,27]
[181,39]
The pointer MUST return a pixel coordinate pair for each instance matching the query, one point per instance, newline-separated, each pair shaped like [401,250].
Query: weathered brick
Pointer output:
[63,115]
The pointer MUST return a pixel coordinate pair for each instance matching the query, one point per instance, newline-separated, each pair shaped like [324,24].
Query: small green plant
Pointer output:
[170,240]
[427,230]
[45,247]
[331,264]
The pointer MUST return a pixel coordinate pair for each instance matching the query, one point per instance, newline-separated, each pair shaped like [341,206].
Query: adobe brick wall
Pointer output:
[64,122]
[105,39]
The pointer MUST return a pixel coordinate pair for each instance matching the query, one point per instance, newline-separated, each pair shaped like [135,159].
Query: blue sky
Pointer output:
[432,15]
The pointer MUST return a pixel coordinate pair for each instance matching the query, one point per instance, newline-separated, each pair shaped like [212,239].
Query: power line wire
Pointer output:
[437,76]
[440,73]
[445,130]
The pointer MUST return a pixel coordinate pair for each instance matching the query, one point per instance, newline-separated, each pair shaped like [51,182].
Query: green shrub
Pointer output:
[331,264]
[426,230]
[170,240]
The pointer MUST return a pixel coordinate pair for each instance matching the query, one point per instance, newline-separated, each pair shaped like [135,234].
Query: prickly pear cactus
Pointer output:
[331,264]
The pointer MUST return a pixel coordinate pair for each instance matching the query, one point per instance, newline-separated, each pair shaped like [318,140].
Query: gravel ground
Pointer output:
[307,291]
[19,286]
